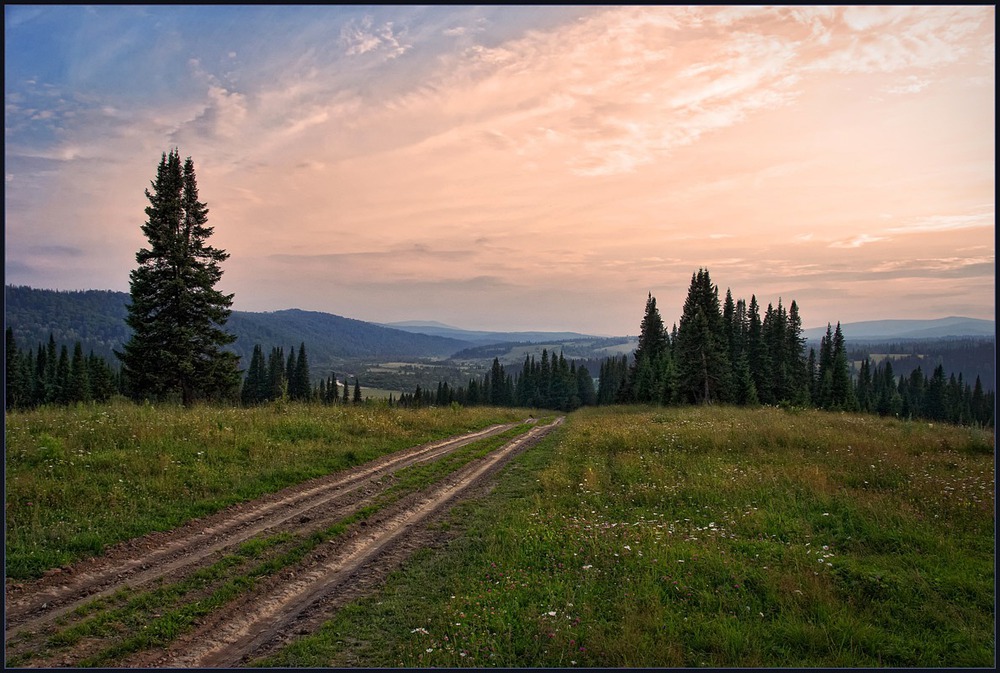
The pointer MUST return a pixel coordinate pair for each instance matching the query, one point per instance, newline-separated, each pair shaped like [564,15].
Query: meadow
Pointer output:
[80,478]
[710,536]
[629,537]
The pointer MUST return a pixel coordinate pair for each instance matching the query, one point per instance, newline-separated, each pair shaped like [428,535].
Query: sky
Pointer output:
[517,168]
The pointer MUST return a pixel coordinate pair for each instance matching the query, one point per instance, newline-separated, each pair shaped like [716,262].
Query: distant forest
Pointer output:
[728,353]
[721,352]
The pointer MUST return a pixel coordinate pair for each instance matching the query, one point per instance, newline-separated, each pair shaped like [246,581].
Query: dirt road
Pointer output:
[55,621]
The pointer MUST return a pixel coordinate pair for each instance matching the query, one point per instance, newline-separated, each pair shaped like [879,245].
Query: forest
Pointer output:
[725,353]
[728,353]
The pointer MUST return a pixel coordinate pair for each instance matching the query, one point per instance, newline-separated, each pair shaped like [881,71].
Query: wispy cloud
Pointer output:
[912,84]
[362,37]
[858,241]
[608,147]
[984,218]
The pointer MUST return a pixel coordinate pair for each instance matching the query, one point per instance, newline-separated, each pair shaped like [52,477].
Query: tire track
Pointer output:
[189,545]
[262,622]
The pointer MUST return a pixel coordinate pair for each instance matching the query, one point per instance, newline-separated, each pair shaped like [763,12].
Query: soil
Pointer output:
[287,604]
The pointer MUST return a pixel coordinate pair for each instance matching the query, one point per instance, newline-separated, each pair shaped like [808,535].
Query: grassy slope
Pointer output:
[703,537]
[80,478]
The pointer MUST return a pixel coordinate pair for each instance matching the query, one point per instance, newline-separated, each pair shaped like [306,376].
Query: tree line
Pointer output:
[548,383]
[727,352]
[278,378]
[49,375]
[936,398]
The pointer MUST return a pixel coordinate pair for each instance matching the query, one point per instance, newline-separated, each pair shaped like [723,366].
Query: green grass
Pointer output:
[702,537]
[80,478]
[131,621]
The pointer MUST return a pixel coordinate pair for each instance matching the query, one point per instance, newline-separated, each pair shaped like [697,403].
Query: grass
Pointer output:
[651,537]
[80,478]
[131,621]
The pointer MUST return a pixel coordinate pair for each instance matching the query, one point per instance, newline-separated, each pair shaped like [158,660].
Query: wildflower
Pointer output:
[552,614]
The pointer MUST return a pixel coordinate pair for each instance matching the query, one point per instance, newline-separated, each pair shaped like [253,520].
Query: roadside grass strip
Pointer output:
[721,537]
[78,479]
[137,621]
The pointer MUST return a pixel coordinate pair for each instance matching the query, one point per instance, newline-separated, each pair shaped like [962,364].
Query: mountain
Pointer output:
[889,330]
[96,318]
[435,328]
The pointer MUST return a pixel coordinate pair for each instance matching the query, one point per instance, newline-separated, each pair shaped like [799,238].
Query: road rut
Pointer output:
[261,620]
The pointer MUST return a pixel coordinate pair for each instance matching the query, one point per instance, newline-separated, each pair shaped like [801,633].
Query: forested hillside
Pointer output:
[96,318]
[971,357]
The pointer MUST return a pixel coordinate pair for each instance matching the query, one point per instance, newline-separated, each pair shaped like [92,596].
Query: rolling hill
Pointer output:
[894,330]
[484,338]
[96,318]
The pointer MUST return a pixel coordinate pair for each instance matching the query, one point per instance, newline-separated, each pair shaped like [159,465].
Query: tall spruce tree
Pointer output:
[704,374]
[176,314]
[255,387]
[299,386]
[79,377]
[645,380]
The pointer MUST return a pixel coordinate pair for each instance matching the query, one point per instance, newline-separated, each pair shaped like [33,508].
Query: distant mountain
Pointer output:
[888,330]
[435,328]
[96,318]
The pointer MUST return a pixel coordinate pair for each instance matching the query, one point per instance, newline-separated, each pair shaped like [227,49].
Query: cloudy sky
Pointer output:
[517,168]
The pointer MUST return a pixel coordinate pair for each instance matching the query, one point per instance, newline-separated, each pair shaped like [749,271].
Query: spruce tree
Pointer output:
[645,382]
[255,387]
[79,379]
[102,379]
[585,392]
[176,314]
[758,356]
[13,380]
[799,379]
[303,389]
[277,385]
[62,377]
[702,358]
[51,383]
[842,392]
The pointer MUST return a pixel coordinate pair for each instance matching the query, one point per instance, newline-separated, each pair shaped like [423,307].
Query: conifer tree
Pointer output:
[62,377]
[841,390]
[757,354]
[703,368]
[51,382]
[357,391]
[102,380]
[176,314]
[824,398]
[13,381]
[255,386]
[302,387]
[799,380]
[645,381]
[79,379]
[585,387]
[277,385]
